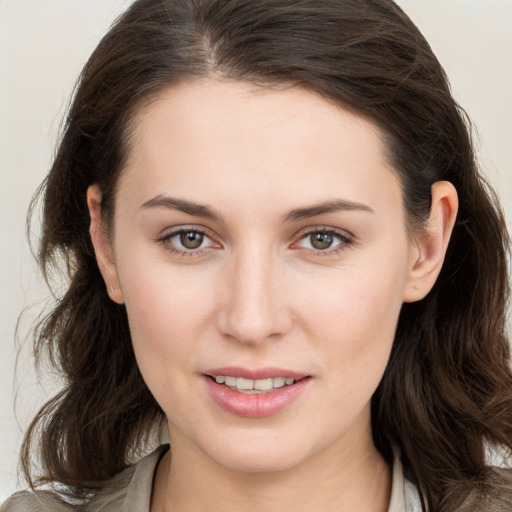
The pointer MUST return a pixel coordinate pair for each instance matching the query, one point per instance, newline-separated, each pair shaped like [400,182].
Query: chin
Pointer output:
[269,455]
[261,462]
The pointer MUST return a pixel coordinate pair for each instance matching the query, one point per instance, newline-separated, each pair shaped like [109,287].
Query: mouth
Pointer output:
[254,386]
[255,393]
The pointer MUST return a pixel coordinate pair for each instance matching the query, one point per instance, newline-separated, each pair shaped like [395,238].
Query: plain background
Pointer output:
[44,44]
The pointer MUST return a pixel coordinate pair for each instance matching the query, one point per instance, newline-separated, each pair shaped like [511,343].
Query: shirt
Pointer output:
[130,491]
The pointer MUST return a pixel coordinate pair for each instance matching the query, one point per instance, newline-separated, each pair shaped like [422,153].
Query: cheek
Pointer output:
[354,323]
[357,300]
[163,317]
[166,310]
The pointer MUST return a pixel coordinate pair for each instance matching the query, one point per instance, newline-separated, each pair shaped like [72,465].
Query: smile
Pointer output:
[254,386]
[255,393]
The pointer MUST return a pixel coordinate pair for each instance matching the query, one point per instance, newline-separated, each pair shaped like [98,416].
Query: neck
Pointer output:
[355,478]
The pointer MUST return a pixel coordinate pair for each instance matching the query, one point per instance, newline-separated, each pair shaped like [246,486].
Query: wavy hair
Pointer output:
[447,391]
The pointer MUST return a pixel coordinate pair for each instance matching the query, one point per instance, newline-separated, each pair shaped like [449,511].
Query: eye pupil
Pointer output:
[321,240]
[191,239]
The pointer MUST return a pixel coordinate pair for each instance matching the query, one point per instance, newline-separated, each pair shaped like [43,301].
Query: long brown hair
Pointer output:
[447,391]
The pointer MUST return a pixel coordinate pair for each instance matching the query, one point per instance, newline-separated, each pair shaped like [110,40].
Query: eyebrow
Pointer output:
[201,210]
[327,207]
[182,205]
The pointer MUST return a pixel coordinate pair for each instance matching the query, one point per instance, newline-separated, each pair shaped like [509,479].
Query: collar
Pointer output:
[404,495]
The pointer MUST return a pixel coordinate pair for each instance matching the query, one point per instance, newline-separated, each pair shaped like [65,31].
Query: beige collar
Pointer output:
[137,494]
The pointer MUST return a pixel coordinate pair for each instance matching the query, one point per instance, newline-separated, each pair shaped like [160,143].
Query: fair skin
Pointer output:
[234,271]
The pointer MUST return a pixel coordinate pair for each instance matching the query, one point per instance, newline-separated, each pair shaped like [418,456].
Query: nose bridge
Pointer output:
[255,308]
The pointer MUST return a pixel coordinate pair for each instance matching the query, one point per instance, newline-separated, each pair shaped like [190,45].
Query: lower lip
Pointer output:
[257,405]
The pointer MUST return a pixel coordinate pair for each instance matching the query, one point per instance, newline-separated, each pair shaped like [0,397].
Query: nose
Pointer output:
[254,309]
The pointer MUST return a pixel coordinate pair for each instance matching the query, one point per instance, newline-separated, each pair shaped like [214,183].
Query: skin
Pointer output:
[257,293]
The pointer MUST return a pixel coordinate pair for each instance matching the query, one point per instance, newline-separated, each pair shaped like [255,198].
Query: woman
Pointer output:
[281,252]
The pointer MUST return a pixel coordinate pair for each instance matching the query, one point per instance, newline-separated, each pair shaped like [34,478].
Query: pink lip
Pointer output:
[256,405]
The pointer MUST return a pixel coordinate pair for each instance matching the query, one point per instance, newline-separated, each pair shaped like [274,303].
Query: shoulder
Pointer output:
[493,493]
[128,491]
[39,501]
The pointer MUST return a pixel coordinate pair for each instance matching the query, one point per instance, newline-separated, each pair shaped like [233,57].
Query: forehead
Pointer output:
[254,142]
[242,103]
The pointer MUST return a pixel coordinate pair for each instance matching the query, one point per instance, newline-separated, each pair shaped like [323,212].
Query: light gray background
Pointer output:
[43,45]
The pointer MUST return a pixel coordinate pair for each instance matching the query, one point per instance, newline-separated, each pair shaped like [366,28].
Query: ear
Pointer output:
[102,246]
[431,243]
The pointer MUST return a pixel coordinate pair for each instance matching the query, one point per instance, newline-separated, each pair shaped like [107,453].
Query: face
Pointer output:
[260,247]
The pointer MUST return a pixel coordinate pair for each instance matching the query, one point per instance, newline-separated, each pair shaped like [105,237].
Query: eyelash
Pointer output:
[169,246]
[345,241]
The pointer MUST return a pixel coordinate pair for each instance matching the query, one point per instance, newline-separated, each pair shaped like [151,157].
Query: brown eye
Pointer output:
[191,239]
[188,241]
[324,241]
[321,241]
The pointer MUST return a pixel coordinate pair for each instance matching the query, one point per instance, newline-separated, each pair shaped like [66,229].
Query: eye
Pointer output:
[323,240]
[187,241]
[190,239]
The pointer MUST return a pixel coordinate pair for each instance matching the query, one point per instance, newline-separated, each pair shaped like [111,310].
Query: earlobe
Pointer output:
[431,244]
[102,246]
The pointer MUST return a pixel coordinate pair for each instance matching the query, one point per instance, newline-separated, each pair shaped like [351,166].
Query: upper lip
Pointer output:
[255,373]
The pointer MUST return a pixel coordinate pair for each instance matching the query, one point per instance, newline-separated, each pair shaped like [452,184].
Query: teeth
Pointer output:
[279,382]
[263,384]
[247,385]
[230,381]
[242,383]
